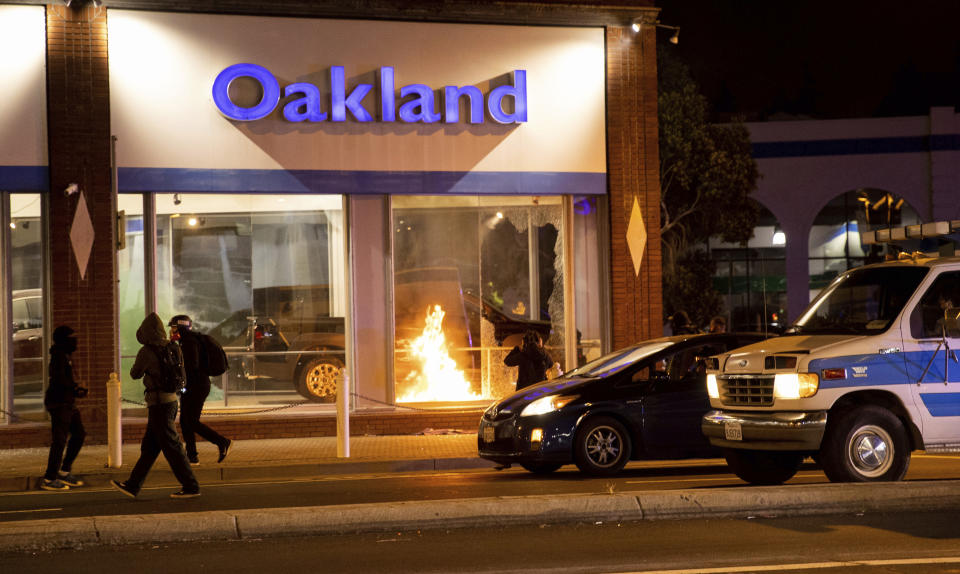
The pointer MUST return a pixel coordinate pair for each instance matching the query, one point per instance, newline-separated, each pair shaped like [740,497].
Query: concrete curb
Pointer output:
[743,502]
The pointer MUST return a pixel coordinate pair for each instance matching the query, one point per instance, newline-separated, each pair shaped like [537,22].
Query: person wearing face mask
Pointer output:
[197,390]
[64,416]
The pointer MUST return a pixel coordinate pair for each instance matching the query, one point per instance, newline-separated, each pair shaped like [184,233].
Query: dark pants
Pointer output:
[161,436]
[191,405]
[65,422]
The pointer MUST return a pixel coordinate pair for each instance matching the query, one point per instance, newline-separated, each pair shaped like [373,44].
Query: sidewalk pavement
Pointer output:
[22,469]
[262,459]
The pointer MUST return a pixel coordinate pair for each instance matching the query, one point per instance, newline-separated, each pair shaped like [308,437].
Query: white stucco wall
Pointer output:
[23,114]
[162,67]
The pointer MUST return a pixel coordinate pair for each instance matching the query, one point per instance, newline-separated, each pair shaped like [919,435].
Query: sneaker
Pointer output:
[55,484]
[70,480]
[122,487]
[224,449]
[193,460]
[185,494]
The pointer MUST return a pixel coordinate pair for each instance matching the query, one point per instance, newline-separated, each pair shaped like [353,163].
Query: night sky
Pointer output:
[772,59]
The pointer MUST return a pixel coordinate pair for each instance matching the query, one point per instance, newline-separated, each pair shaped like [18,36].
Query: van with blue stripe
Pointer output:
[866,375]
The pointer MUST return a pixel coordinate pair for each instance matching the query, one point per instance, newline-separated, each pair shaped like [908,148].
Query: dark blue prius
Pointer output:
[642,402]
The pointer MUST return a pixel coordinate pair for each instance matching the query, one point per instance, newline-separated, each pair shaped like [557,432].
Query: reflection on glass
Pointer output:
[864,301]
[617,360]
[264,275]
[26,252]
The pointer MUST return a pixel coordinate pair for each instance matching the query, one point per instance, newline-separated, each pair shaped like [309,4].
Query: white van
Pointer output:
[866,375]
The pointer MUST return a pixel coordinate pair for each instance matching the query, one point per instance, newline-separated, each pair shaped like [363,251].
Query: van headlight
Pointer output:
[547,404]
[795,385]
[712,389]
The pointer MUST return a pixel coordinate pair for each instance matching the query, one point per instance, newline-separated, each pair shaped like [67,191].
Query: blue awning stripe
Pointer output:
[178,180]
[857,146]
[24,178]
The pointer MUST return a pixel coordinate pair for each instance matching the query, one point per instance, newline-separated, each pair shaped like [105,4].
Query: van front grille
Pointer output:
[746,390]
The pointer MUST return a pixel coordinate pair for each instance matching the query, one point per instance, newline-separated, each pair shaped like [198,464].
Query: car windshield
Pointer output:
[863,301]
[610,364]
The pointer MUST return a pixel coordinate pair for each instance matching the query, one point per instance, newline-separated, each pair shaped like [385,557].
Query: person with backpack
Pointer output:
[65,418]
[160,364]
[199,352]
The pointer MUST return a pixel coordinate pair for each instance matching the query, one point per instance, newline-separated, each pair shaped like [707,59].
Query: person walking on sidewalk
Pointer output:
[160,364]
[65,418]
[198,388]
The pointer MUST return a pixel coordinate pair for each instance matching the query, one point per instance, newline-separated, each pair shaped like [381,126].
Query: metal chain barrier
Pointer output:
[12,416]
[17,418]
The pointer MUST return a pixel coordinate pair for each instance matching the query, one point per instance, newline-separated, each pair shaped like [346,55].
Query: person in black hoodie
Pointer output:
[160,434]
[196,392]
[531,360]
[64,416]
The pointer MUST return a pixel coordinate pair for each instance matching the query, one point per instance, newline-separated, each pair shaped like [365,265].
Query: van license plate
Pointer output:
[732,430]
[488,434]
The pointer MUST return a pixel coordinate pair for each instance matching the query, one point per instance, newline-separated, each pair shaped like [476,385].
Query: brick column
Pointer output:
[78,111]
[633,172]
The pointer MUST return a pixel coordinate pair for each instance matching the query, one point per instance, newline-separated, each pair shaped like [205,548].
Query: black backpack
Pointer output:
[212,357]
[172,378]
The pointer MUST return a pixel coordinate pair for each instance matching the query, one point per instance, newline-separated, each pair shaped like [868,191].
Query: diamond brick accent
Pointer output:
[636,236]
[81,235]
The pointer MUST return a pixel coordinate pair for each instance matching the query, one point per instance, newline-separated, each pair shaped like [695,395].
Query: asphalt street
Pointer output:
[865,543]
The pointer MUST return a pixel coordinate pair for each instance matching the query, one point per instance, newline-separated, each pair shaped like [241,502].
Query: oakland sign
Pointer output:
[419,104]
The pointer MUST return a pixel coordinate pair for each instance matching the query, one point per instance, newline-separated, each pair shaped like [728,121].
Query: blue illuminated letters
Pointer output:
[418,102]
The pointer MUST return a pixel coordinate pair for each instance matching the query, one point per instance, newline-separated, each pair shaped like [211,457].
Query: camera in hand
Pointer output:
[80,392]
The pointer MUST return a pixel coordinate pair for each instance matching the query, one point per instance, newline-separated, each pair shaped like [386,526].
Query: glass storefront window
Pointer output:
[131,295]
[751,278]
[26,283]
[834,242]
[471,276]
[264,275]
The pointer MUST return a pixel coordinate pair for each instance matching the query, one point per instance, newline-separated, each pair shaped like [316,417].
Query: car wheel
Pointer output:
[763,466]
[602,446]
[318,379]
[541,467]
[868,444]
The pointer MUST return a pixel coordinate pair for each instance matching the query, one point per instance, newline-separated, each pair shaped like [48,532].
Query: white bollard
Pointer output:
[343,415]
[114,438]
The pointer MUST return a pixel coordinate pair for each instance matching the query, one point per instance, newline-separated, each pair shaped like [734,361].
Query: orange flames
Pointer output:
[436,377]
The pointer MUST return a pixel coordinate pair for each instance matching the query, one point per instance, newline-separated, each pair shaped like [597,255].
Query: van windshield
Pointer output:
[862,301]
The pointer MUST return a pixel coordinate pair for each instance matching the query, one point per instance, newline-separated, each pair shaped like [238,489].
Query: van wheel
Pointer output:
[602,447]
[763,466]
[318,379]
[868,444]
[541,467]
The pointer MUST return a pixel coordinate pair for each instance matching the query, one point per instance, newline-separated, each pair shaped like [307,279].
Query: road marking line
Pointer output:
[943,456]
[814,475]
[30,510]
[807,566]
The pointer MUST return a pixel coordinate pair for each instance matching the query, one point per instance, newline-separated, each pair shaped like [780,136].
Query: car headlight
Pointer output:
[712,389]
[795,385]
[547,404]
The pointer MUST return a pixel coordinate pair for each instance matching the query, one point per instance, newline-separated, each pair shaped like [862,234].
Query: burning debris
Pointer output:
[435,376]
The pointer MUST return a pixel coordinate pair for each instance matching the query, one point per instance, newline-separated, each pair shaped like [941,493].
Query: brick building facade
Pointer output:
[79,134]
